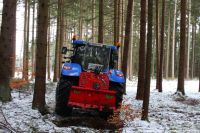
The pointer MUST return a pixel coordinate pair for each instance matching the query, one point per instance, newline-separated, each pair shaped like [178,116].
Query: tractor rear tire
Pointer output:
[106,113]
[62,96]
[119,88]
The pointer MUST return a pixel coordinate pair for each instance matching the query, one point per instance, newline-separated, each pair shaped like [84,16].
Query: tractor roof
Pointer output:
[81,42]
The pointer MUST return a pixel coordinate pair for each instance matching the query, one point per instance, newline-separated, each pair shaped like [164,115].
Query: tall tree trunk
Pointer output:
[81,20]
[153,58]
[141,71]
[25,53]
[127,39]
[7,46]
[93,19]
[27,40]
[121,34]
[119,31]
[161,48]
[145,107]
[48,49]
[41,53]
[181,72]
[33,43]
[168,43]
[130,65]
[62,20]
[189,41]
[101,18]
[157,42]
[174,39]
[116,21]
[13,48]
[193,44]
[57,49]
[199,75]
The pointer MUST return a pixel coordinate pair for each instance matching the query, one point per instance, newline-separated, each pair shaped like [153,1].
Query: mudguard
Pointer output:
[71,69]
[116,76]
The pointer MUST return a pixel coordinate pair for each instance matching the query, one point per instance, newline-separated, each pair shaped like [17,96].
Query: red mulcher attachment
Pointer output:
[92,92]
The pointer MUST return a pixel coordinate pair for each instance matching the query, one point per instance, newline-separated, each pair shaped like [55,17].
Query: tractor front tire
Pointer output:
[119,92]
[62,96]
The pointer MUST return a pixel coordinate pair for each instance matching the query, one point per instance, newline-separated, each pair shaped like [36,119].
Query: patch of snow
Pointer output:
[168,112]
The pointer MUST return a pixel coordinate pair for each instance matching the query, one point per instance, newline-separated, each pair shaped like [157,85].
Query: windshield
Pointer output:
[96,56]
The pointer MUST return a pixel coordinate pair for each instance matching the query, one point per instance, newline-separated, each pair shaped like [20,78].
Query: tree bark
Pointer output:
[161,48]
[101,18]
[48,49]
[141,71]
[7,46]
[62,20]
[145,107]
[189,41]
[116,21]
[57,49]
[80,19]
[157,42]
[181,72]
[199,75]
[168,43]
[41,53]
[25,53]
[122,36]
[174,38]
[13,48]
[33,43]
[93,20]
[193,46]
[127,40]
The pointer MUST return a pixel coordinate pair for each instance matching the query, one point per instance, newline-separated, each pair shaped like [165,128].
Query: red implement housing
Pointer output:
[92,92]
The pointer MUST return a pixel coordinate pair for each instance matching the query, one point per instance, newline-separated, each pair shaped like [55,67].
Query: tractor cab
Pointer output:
[89,79]
[92,55]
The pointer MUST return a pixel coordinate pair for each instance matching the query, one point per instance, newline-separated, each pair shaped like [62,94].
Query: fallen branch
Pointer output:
[6,125]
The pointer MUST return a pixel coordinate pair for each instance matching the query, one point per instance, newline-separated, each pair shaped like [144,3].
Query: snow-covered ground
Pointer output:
[168,112]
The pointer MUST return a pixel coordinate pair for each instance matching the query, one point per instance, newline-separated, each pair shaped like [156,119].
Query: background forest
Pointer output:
[158,39]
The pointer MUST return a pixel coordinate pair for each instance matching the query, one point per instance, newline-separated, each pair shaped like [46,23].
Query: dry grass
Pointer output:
[18,83]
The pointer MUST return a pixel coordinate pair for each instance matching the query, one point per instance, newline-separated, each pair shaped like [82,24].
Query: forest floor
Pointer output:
[168,112]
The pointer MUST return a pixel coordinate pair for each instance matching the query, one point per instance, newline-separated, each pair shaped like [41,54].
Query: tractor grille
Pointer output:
[94,81]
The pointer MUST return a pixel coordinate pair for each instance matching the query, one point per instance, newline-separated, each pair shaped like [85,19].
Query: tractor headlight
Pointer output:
[120,74]
[67,67]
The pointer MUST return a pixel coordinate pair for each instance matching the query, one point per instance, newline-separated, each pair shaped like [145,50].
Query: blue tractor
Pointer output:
[89,79]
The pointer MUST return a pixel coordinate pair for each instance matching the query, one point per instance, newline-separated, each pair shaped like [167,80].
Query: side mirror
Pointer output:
[64,50]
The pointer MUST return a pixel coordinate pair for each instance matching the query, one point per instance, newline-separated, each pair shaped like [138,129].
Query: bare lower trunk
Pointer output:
[199,76]
[41,53]
[141,72]
[193,45]
[7,39]
[189,41]
[168,43]
[161,48]
[181,72]
[33,43]
[25,52]
[157,43]
[57,47]
[145,107]
[48,53]
[173,39]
